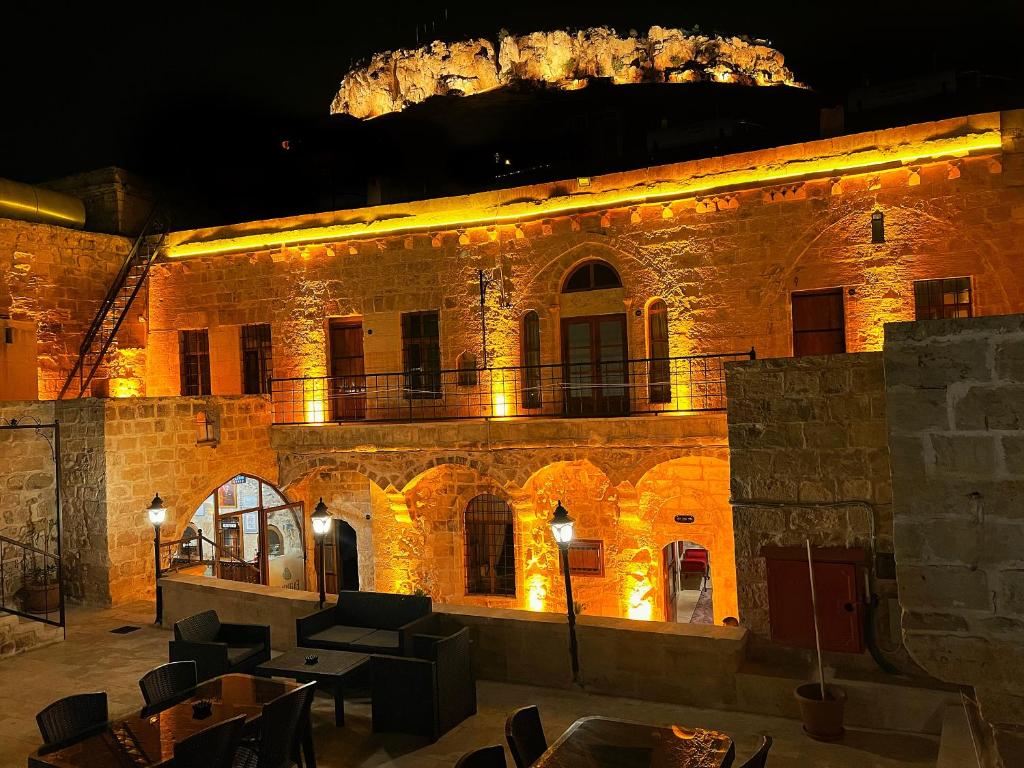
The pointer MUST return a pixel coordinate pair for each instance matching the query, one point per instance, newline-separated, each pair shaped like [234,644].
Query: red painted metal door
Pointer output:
[839,608]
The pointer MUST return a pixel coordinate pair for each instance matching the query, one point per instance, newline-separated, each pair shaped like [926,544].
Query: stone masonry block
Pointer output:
[936,365]
[964,454]
[944,587]
[991,407]
[917,409]
[1009,358]
[1013,454]
[1010,595]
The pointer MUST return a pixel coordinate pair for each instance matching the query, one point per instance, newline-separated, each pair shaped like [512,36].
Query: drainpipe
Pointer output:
[29,203]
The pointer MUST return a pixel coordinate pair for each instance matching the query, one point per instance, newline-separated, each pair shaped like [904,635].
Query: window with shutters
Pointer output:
[818,327]
[586,557]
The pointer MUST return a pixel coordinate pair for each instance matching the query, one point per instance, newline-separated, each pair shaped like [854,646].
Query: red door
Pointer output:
[818,326]
[839,609]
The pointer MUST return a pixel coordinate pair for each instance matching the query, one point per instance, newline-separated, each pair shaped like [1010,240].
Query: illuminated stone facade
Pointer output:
[723,242]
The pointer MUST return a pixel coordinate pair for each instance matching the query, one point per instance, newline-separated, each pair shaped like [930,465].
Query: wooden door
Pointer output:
[341,559]
[836,584]
[594,355]
[348,375]
[818,326]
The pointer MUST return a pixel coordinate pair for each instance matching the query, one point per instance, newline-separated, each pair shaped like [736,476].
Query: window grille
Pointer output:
[943,298]
[194,347]
[490,547]
[257,359]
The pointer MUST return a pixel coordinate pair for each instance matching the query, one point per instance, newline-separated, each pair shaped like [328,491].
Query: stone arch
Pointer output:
[696,485]
[412,475]
[196,495]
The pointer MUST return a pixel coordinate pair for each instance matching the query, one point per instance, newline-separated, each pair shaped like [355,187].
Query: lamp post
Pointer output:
[562,530]
[157,513]
[321,520]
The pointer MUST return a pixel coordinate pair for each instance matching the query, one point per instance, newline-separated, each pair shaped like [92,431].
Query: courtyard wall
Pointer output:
[955,393]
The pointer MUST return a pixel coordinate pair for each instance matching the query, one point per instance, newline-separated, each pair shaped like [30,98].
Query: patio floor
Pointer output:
[94,659]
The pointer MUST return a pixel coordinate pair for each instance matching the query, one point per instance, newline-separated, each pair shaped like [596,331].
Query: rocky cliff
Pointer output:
[393,80]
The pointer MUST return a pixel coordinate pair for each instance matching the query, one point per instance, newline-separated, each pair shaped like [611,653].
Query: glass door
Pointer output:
[594,358]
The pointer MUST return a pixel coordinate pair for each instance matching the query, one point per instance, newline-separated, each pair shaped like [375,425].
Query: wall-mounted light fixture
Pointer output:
[877,227]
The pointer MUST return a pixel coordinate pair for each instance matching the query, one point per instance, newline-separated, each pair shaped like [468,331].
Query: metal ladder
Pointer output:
[114,308]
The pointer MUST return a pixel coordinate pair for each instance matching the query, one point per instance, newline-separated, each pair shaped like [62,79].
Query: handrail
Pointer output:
[44,618]
[198,537]
[29,547]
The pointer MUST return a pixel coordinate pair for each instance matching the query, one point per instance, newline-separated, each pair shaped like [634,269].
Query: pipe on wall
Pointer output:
[30,203]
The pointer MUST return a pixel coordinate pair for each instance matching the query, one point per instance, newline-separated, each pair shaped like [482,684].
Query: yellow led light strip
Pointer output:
[862,161]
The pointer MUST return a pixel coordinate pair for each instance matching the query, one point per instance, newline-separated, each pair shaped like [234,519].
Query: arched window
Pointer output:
[658,383]
[275,542]
[592,276]
[490,548]
[530,361]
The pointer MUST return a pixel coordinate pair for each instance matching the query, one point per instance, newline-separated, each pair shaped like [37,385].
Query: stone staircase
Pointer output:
[18,635]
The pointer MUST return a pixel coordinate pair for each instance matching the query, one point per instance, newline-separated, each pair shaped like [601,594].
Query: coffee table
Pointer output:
[331,671]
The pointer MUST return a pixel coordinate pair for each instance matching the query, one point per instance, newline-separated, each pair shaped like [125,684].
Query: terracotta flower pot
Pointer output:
[823,720]
[40,598]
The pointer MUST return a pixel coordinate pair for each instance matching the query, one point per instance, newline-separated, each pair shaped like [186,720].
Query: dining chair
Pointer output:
[71,716]
[485,757]
[213,747]
[760,758]
[281,727]
[525,735]
[167,681]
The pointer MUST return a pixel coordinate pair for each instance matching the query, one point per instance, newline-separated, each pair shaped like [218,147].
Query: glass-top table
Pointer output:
[601,742]
[147,739]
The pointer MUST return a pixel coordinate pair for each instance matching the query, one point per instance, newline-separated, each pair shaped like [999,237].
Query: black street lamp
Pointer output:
[321,520]
[157,513]
[562,530]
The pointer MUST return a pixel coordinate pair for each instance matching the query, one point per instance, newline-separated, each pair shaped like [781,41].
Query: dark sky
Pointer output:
[165,87]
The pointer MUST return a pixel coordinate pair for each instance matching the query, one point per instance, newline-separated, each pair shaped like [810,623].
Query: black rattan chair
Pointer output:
[213,747]
[760,758]
[217,648]
[283,722]
[167,681]
[525,735]
[71,716]
[485,757]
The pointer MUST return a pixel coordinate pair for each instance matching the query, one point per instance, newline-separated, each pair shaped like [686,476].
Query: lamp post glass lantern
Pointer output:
[157,514]
[321,520]
[562,530]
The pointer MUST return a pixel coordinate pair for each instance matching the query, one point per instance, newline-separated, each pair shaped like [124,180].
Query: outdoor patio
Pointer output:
[94,659]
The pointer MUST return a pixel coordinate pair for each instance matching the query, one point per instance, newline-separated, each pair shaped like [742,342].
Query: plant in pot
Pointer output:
[42,591]
[821,704]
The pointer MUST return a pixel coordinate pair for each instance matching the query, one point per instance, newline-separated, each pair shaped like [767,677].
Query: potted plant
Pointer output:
[821,704]
[42,590]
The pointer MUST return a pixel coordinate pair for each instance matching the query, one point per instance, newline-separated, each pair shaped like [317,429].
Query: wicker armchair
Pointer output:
[428,693]
[168,681]
[213,747]
[760,758]
[217,648]
[525,735]
[485,757]
[284,721]
[366,622]
[72,716]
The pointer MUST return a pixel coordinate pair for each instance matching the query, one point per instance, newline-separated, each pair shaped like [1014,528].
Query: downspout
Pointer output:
[26,202]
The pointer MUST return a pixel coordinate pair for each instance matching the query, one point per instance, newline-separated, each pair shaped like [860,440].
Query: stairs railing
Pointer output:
[114,308]
[37,581]
[197,550]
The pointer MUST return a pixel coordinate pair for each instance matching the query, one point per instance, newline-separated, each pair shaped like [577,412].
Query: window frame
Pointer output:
[659,373]
[839,330]
[591,285]
[253,344]
[530,360]
[194,359]
[587,545]
[488,504]
[928,310]
[421,382]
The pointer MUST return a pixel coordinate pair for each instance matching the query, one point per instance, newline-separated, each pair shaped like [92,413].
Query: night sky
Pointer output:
[167,88]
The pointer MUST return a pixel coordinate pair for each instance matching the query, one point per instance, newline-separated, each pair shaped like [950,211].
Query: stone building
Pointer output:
[443,372]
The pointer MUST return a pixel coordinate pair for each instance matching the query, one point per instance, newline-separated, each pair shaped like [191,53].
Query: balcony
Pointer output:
[693,384]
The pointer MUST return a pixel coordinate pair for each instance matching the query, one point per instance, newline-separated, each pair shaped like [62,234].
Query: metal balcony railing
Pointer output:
[619,388]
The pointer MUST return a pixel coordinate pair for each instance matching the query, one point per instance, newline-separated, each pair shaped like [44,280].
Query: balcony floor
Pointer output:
[93,659]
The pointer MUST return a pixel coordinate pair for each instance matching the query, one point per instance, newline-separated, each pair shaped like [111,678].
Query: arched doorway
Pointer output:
[247,531]
[687,583]
[341,558]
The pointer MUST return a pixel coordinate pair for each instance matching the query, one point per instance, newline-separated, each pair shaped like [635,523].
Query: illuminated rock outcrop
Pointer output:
[394,80]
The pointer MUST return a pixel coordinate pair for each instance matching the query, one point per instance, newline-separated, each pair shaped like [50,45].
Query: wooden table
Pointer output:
[601,742]
[331,671]
[147,739]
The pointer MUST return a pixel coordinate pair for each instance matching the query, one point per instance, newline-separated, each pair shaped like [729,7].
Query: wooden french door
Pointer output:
[594,362]
[348,375]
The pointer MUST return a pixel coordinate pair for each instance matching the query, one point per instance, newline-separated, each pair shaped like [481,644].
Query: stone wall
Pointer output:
[955,391]
[808,459]
[405,489]
[726,265]
[54,279]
